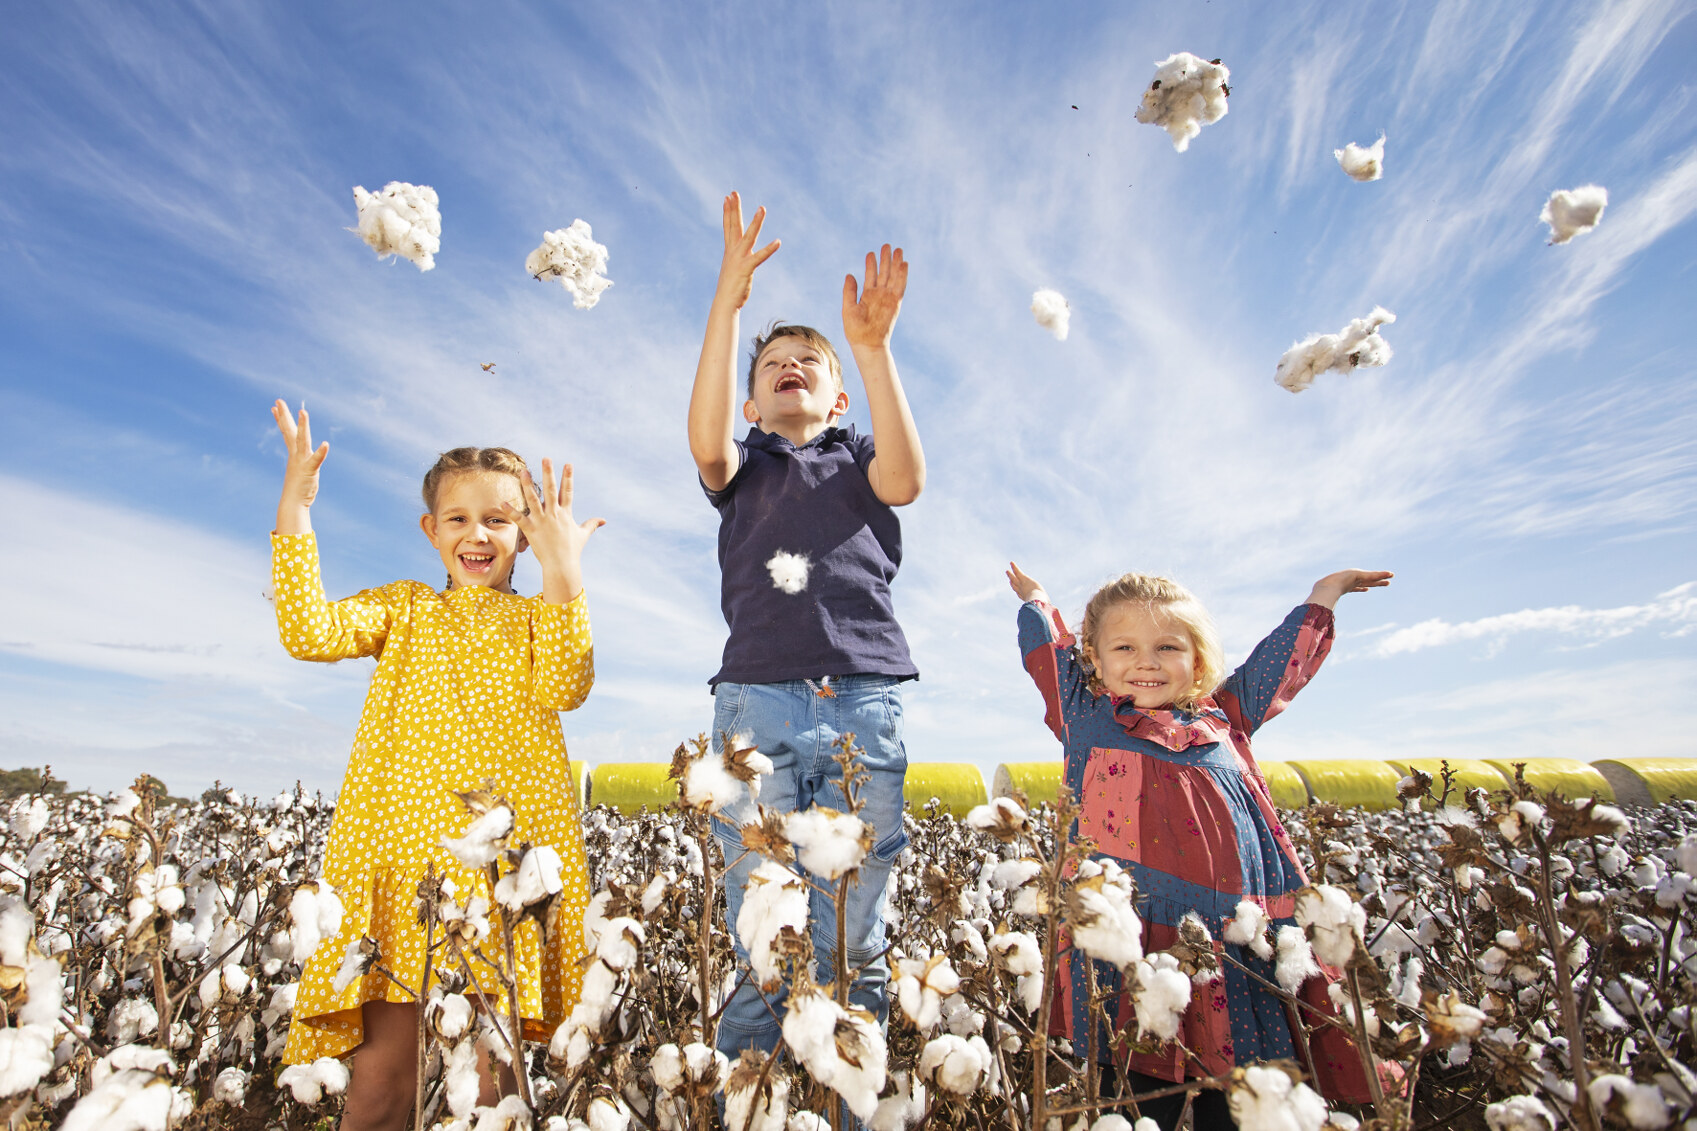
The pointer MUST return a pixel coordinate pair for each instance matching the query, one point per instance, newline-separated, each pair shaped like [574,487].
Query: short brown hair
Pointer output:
[808,334]
[1177,602]
[459,461]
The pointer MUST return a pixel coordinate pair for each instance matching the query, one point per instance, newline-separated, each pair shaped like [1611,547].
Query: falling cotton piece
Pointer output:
[572,256]
[1569,212]
[401,220]
[1362,163]
[1355,346]
[1052,312]
[1186,95]
[789,571]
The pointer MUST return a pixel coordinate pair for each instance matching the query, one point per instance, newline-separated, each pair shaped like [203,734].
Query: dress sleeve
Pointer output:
[311,627]
[1046,645]
[1280,666]
[562,654]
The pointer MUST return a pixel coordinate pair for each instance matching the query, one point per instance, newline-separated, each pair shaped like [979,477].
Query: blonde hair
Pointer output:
[807,334]
[460,461]
[1175,601]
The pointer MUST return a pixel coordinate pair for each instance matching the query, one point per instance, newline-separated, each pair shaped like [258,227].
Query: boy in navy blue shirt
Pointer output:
[808,544]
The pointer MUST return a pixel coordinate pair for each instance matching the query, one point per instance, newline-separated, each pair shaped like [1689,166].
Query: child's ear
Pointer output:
[524,543]
[427,523]
[841,406]
[749,412]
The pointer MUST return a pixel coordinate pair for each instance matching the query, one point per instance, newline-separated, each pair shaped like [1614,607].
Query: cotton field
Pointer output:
[1514,960]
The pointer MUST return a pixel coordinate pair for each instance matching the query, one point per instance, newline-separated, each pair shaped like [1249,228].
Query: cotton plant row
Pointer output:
[1439,921]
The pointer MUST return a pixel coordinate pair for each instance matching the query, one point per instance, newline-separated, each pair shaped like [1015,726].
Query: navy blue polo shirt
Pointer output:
[813,501]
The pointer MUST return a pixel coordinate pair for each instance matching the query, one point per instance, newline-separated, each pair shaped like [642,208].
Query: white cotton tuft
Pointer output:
[789,571]
[1161,995]
[28,817]
[1295,963]
[231,1086]
[1520,1113]
[310,1082]
[827,843]
[956,1065]
[1249,928]
[535,879]
[1356,346]
[1573,212]
[842,1049]
[317,914]
[1052,311]
[1362,163]
[774,899]
[26,1055]
[901,1110]
[483,838]
[1186,94]
[401,220]
[1335,922]
[572,256]
[758,1109]
[1640,1105]
[707,784]
[1104,923]
[1266,1099]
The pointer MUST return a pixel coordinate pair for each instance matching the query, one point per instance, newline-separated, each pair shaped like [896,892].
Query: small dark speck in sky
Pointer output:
[1075,107]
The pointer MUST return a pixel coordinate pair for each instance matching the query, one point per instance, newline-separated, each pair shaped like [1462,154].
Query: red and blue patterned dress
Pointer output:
[1177,799]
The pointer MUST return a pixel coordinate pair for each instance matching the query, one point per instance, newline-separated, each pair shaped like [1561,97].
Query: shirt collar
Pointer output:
[772,442]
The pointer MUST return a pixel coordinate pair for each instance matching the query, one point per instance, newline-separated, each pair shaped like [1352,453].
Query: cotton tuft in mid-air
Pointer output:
[1356,346]
[1052,312]
[1362,163]
[572,256]
[1186,95]
[1571,212]
[401,220]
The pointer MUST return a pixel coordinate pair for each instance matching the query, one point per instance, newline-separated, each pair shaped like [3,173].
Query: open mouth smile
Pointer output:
[790,381]
[477,563]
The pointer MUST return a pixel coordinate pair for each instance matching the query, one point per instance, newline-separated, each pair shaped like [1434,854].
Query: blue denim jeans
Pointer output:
[797,729]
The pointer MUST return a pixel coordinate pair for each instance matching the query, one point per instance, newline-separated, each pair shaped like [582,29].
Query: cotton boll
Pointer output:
[605,1113]
[842,1049]
[1295,964]
[309,1083]
[1335,922]
[1052,311]
[26,1055]
[1116,1122]
[28,817]
[1103,923]
[1362,163]
[132,1099]
[1266,1099]
[902,1110]
[1572,212]
[460,1078]
[572,256]
[401,220]
[483,839]
[1356,346]
[1161,995]
[828,843]
[1019,951]
[1249,927]
[807,1121]
[230,1087]
[537,878]
[755,1108]
[774,900]
[1639,1105]
[1186,94]
[789,571]
[955,1065]
[1520,1113]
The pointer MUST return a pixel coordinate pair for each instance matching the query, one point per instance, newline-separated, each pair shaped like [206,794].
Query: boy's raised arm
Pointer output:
[713,403]
[897,471]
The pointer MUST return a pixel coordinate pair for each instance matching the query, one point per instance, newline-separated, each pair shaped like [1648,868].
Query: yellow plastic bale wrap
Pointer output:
[958,785]
[1285,784]
[1568,776]
[1350,781]
[580,782]
[1650,781]
[1470,773]
[631,786]
[1039,781]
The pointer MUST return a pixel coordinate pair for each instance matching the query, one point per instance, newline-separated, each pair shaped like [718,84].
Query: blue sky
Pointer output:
[175,194]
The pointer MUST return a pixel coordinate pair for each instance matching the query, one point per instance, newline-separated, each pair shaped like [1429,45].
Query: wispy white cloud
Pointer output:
[1676,608]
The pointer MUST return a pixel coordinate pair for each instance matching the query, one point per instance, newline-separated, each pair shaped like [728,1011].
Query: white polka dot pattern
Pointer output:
[467,689]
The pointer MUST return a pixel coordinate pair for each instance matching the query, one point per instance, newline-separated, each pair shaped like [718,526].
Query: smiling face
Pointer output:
[1141,651]
[794,388]
[476,539]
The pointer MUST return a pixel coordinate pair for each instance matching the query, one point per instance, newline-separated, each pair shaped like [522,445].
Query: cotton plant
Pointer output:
[572,256]
[1358,345]
[1186,94]
[402,219]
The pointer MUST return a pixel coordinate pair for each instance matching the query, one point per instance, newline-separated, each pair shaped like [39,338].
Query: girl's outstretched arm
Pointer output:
[300,477]
[1328,589]
[557,538]
[1024,587]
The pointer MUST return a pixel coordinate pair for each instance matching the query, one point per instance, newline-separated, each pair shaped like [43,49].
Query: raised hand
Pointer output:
[736,270]
[1025,588]
[1328,589]
[556,537]
[300,476]
[869,313]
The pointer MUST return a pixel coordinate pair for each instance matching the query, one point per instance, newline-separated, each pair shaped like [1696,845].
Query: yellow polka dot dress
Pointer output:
[467,690]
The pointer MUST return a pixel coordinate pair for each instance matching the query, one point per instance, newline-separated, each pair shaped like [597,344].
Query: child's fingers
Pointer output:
[871,270]
[546,494]
[732,219]
[303,433]
[566,487]
[527,489]
[318,457]
[752,233]
[765,253]
[591,525]
[851,292]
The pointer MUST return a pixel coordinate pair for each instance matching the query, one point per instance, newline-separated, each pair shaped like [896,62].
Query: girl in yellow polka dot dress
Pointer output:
[468,686]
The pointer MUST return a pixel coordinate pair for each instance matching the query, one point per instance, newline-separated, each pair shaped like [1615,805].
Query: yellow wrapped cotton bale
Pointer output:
[1350,781]
[1567,776]
[1470,773]
[632,786]
[959,786]
[580,782]
[1650,781]
[1285,784]
[1039,781]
